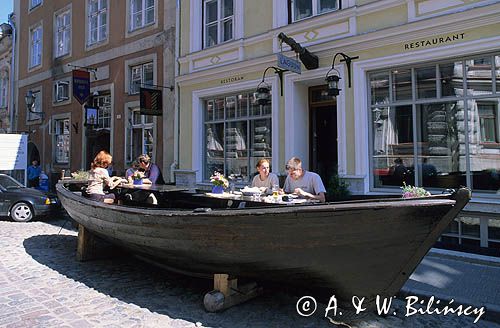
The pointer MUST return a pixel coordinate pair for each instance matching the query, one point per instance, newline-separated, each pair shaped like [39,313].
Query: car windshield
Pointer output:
[9,183]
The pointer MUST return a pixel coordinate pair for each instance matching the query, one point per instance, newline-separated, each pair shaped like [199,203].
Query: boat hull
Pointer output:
[353,248]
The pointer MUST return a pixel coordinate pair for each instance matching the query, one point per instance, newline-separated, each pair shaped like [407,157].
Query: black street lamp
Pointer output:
[333,79]
[263,92]
[29,98]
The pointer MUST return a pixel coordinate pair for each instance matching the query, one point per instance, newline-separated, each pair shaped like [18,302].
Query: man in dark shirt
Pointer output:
[151,170]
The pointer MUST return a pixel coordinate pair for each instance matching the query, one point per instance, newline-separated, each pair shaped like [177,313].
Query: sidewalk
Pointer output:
[469,279]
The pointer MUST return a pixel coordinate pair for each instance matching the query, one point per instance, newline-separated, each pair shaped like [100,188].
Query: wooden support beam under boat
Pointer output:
[86,247]
[226,293]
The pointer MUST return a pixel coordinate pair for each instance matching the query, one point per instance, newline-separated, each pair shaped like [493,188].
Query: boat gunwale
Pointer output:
[381,203]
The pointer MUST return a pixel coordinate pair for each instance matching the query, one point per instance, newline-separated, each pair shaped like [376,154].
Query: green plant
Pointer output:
[80,175]
[336,188]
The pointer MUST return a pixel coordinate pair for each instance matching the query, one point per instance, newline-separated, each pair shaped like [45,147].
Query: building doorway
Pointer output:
[323,147]
[97,140]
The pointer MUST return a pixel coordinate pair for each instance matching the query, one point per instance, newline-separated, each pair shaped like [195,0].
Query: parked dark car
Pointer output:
[23,204]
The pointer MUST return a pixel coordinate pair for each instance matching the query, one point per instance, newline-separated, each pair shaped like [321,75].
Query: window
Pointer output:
[104,104]
[306,8]
[142,13]
[488,121]
[63,34]
[61,91]
[97,21]
[35,3]
[140,138]
[140,75]
[4,89]
[62,141]
[427,131]
[218,21]
[36,46]
[37,107]
[237,134]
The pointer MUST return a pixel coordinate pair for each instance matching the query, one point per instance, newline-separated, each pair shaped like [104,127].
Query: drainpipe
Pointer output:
[174,165]
[12,68]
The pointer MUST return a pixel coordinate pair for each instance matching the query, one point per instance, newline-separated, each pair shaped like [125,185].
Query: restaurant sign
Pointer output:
[434,41]
[288,63]
[81,85]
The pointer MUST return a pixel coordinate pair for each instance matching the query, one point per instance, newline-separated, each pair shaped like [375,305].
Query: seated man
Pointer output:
[152,172]
[303,183]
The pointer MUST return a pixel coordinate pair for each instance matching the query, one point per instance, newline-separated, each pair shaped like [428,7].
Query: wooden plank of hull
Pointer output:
[361,249]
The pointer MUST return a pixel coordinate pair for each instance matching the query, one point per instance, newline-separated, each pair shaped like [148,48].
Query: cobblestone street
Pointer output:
[42,285]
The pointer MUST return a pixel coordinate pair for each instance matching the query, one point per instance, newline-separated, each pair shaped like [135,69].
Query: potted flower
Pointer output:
[137,177]
[414,192]
[219,182]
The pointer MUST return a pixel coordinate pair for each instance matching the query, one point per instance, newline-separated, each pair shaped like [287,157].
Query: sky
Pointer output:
[5,10]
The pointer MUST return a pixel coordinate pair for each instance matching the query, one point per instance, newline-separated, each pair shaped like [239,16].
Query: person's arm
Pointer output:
[320,196]
[154,173]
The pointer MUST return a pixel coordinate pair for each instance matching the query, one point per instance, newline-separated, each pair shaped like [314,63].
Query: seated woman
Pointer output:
[99,177]
[130,171]
[265,180]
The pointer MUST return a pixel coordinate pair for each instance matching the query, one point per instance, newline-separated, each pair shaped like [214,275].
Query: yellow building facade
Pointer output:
[422,108]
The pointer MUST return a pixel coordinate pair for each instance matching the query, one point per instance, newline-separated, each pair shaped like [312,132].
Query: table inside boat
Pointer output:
[264,199]
[171,196]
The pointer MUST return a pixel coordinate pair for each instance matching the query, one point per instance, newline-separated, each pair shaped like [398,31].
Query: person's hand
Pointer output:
[300,192]
[146,181]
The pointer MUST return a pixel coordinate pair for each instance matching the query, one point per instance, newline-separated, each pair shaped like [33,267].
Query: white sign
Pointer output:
[288,63]
[13,151]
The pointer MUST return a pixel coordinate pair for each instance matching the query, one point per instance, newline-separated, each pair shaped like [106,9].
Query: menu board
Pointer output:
[13,151]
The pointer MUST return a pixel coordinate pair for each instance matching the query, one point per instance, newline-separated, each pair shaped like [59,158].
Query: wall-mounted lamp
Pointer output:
[30,101]
[263,92]
[333,80]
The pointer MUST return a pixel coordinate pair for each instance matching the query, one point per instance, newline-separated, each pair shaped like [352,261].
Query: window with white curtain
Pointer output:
[142,13]
[36,46]
[97,21]
[218,17]
[63,34]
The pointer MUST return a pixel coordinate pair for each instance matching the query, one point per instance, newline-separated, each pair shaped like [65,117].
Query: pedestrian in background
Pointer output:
[34,172]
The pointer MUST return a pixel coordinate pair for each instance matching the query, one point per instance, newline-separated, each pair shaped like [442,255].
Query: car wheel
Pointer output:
[21,212]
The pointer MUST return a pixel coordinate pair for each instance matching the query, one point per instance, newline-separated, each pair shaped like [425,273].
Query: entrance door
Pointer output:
[323,133]
[96,141]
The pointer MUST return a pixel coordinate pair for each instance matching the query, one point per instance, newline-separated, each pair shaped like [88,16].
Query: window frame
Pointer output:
[247,119]
[105,112]
[131,27]
[66,139]
[63,33]
[4,88]
[143,126]
[99,17]
[37,107]
[142,67]
[219,22]
[35,5]
[415,101]
[57,98]
[315,10]
[35,46]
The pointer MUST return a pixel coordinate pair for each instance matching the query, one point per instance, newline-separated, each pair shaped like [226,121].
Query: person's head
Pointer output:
[398,161]
[35,162]
[135,165]
[102,159]
[144,160]
[294,167]
[263,167]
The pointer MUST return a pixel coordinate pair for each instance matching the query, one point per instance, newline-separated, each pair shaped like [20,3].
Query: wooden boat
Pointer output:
[358,248]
